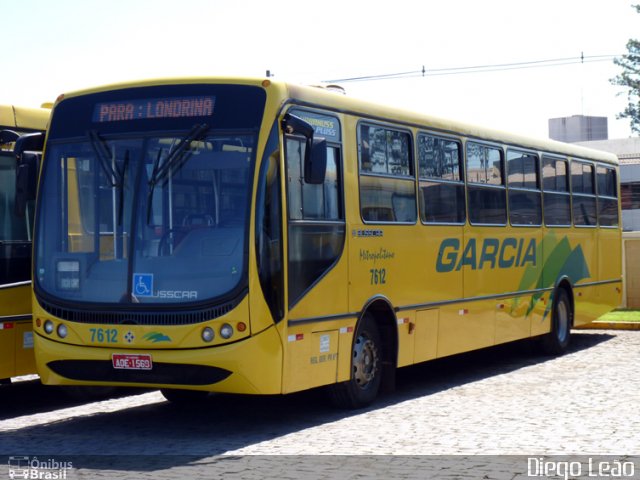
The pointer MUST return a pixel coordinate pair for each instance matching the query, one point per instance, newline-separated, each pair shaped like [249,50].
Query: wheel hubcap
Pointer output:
[365,361]
[563,321]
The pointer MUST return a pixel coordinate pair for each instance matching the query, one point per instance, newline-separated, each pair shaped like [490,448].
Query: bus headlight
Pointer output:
[48,327]
[226,331]
[208,334]
[62,330]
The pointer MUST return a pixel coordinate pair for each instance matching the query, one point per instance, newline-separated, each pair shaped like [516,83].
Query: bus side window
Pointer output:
[557,199]
[607,197]
[387,179]
[525,202]
[442,196]
[485,188]
[584,194]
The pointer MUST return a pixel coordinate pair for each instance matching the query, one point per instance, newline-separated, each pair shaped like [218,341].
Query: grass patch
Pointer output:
[621,316]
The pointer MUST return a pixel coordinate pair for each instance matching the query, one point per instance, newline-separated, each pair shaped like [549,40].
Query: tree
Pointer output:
[630,78]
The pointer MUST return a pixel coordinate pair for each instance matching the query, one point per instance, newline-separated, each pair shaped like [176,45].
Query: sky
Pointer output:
[52,47]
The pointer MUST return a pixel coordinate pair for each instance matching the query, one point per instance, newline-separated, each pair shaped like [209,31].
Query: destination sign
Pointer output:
[154,108]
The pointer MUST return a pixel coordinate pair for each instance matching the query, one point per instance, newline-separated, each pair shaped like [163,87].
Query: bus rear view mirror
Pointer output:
[315,154]
[296,125]
[26,181]
[27,169]
[31,142]
[315,164]
[8,136]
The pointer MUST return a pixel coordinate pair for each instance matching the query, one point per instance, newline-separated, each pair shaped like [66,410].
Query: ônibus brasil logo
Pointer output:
[34,468]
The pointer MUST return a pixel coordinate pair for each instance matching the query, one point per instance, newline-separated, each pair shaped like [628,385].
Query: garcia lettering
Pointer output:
[490,253]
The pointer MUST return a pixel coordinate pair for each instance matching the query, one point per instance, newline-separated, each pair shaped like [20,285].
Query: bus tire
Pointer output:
[366,368]
[556,342]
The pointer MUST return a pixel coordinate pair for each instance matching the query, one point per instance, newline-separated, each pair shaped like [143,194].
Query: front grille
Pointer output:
[181,317]
[162,373]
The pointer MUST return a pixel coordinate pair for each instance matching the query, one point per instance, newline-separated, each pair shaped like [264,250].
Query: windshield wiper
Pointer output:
[176,158]
[122,173]
[102,152]
[114,175]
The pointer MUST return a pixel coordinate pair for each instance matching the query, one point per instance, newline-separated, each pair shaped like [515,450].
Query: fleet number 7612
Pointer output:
[378,276]
[104,335]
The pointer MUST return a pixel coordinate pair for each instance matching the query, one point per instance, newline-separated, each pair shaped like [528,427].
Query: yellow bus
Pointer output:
[252,236]
[17,125]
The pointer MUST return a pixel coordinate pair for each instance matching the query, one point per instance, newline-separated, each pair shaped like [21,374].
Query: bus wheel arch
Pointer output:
[557,340]
[373,357]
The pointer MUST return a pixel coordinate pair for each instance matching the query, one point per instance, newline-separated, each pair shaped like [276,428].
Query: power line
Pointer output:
[554,62]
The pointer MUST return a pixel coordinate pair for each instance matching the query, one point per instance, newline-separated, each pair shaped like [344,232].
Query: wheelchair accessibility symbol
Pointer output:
[143,284]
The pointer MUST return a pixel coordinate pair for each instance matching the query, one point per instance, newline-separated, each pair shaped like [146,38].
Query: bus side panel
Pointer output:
[610,270]
[311,348]
[609,296]
[311,358]
[585,297]
[541,321]
[25,359]
[610,266]
[474,324]
[467,326]
[426,335]
[7,349]
[516,271]
[15,302]
[513,318]
[586,306]
[409,338]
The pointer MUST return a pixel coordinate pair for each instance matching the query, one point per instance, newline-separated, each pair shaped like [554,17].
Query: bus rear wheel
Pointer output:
[556,342]
[366,373]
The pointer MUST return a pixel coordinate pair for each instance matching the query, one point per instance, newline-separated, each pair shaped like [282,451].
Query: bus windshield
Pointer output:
[145,218]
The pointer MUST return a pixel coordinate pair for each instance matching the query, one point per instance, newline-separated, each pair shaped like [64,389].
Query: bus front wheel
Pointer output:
[366,373]
[557,341]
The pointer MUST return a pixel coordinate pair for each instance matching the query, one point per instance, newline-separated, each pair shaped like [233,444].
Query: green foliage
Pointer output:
[621,315]
[630,78]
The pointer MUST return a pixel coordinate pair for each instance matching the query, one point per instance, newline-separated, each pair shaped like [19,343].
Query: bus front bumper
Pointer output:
[252,366]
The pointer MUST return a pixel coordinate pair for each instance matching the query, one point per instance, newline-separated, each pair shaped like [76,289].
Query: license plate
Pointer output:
[129,361]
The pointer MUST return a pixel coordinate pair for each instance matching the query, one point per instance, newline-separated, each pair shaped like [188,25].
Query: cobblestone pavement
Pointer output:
[500,401]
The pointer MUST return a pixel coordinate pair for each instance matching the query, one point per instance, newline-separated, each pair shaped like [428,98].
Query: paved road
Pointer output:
[501,401]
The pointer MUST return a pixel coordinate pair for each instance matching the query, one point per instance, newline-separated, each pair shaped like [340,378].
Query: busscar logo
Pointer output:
[41,469]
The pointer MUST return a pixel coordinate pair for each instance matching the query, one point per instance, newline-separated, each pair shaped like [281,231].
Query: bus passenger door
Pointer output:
[316,275]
